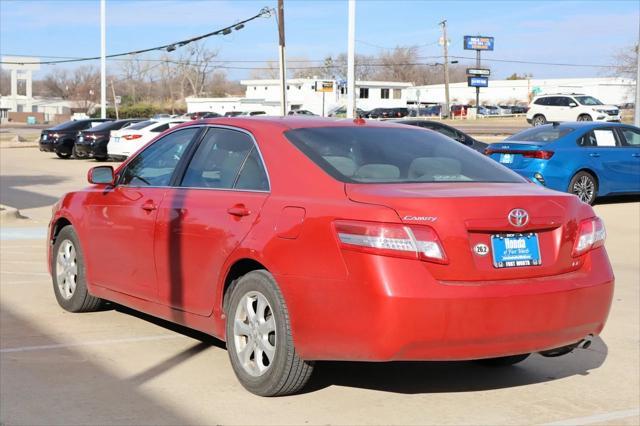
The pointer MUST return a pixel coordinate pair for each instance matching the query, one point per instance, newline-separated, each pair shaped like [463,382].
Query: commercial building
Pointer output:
[316,95]
[610,90]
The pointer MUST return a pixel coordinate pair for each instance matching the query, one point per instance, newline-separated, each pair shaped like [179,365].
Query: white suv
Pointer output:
[569,107]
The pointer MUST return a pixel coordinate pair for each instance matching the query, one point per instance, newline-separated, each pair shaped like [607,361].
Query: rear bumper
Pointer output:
[400,317]
[46,146]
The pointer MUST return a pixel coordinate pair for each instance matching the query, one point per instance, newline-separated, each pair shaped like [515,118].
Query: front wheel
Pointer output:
[584,186]
[585,117]
[69,275]
[259,341]
[64,155]
[539,120]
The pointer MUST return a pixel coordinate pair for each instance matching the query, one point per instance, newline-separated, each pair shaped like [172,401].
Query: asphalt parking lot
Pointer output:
[121,367]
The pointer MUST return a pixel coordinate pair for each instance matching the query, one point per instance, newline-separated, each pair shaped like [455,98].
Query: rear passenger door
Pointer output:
[206,215]
[602,151]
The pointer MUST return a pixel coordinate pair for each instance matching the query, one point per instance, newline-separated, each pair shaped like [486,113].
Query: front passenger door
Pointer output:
[122,218]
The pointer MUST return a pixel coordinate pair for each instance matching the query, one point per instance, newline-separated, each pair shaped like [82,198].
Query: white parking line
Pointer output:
[10,234]
[596,418]
[91,343]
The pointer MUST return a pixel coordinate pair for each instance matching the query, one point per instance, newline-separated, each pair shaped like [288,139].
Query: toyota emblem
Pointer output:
[518,217]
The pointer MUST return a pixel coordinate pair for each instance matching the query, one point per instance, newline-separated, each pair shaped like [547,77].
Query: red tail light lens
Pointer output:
[386,239]
[591,234]
[540,155]
[131,137]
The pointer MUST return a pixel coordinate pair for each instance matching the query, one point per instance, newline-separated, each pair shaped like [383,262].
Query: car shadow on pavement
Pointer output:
[618,199]
[461,376]
[12,195]
[54,384]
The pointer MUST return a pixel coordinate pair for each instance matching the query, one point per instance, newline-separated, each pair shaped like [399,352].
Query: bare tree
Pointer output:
[625,62]
[195,66]
[270,70]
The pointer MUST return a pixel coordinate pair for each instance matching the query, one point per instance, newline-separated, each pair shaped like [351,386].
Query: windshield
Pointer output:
[141,125]
[544,134]
[395,155]
[588,100]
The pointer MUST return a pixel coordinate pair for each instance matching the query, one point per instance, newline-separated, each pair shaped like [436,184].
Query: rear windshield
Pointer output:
[107,125]
[544,134]
[141,125]
[395,155]
[69,125]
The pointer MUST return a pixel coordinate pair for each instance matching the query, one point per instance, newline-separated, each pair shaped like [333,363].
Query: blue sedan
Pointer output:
[587,159]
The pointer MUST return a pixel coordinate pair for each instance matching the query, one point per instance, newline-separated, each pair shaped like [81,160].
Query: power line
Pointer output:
[515,61]
[265,11]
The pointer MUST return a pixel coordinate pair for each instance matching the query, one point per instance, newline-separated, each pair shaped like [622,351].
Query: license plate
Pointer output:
[506,158]
[80,138]
[116,139]
[44,137]
[514,250]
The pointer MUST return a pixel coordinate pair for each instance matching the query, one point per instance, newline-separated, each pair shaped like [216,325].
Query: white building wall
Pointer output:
[608,90]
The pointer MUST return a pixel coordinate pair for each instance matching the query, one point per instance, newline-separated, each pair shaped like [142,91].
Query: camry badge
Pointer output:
[518,217]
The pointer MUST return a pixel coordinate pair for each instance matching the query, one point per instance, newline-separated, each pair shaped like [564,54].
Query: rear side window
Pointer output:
[141,125]
[632,136]
[598,138]
[395,155]
[226,159]
[547,134]
[541,101]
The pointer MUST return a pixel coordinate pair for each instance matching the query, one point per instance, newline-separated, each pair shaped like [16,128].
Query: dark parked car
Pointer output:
[519,109]
[430,111]
[387,113]
[203,114]
[61,138]
[232,113]
[449,131]
[92,143]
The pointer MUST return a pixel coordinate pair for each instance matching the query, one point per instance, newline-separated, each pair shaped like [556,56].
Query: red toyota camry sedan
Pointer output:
[297,239]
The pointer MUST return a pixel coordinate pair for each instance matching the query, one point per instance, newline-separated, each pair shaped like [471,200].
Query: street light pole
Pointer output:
[283,66]
[351,61]
[103,60]
[446,67]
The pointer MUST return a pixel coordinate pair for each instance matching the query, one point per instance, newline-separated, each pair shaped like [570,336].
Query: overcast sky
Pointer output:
[574,32]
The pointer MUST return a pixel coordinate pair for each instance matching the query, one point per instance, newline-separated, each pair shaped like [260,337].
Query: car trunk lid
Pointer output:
[472,217]
[518,155]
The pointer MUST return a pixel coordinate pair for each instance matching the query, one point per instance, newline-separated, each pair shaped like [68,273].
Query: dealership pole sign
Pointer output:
[478,77]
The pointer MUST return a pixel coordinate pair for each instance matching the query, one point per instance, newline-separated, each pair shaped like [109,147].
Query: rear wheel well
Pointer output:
[240,268]
[60,223]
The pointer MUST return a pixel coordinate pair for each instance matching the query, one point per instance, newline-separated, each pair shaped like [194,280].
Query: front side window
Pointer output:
[226,159]
[631,136]
[395,155]
[588,100]
[155,165]
[564,101]
[384,93]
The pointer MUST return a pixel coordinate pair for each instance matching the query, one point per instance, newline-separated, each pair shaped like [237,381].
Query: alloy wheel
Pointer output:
[66,269]
[254,333]
[584,188]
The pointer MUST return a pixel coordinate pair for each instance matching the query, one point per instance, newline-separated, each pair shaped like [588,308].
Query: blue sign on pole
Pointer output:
[478,81]
[478,43]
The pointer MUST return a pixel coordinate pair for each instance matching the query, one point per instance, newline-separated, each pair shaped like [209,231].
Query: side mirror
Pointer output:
[573,104]
[101,175]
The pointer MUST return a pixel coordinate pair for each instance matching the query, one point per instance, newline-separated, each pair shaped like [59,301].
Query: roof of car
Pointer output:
[585,124]
[295,121]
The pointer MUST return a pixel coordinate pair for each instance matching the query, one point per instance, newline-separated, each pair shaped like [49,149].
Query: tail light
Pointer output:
[591,234]
[131,137]
[540,155]
[386,239]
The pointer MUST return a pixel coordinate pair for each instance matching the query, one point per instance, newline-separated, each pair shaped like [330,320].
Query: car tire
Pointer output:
[258,324]
[63,155]
[585,117]
[68,274]
[539,120]
[100,159]
[585,186]
[503,361]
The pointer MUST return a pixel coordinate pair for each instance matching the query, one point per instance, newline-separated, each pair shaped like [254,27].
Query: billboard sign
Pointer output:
[478,71]
[478,43]
[478,81]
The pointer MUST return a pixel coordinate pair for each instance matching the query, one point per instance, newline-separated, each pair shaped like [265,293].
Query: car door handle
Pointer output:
[238,210]
[149,206]
[593,154]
